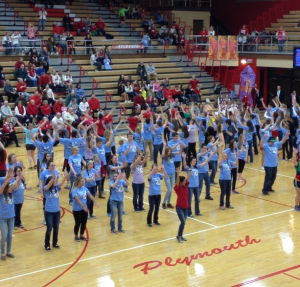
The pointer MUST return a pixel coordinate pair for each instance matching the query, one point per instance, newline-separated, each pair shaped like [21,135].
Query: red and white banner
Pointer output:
[127,47]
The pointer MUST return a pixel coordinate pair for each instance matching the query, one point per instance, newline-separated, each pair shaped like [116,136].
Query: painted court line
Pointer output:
[143,245]
[264,172]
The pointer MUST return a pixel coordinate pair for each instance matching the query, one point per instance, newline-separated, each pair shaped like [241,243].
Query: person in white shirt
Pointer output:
[59,121]
[15,42]
[211,31]
[68,80]
[50,94]
[84,105]
[6,42]
[20,112]
[93,61]
[42,19]
[70,116]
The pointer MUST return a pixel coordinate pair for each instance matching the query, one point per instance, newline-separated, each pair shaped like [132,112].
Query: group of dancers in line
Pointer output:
[172,134]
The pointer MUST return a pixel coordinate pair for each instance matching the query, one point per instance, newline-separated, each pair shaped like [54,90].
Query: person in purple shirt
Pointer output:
[138,181]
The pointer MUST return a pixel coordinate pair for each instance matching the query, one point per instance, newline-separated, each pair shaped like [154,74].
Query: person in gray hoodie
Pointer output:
[150,69]
[6,112]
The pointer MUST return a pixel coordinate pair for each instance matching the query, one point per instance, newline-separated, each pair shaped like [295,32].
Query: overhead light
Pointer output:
[243,61]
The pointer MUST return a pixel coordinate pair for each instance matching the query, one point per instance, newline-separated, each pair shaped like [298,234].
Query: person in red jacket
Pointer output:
[57,31]
[32,111]
[94,104]
[81,26]
[44,80]
[45,127]
[244,30]
[19,63]
[176,93]
[139,102]
[133,120]
[100,25]
[21,88]
[203,38]
[58,105]
[108,118]
[194,82]
[37,99]
[9,130]
[168,93]
[46,110]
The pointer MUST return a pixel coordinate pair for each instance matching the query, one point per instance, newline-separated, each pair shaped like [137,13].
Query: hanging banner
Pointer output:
[232,48]
[213,47]
[128,47]
[223,48]
[247,81]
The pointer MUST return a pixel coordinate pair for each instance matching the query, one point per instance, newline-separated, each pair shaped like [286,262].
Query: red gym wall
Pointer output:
[233,15]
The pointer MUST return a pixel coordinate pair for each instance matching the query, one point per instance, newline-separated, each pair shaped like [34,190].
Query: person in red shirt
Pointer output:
[32,111]
[151,102]
[44,80]
[100,25]
[182,203]
[94,104]
[203,38]
[197,92]
[100,125]
[57,31]
[108,118]
[46,110]
[19,63]
[244,30]
[45,126]
[194,82]
[58,105]
[81,26]
[153,33]
[9,130]
[37,99]
[132,120]
[168,93]
[143,14]
[176,93]
[139,102]
[21,88]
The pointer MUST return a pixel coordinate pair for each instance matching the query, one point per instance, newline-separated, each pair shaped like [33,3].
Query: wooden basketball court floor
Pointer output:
[254,244]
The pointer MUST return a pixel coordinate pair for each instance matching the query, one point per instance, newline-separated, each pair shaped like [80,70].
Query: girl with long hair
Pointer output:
[243,155]
[100,170]
[90,175]
[80,210]
[297,178]
[52,210]
[158,136]
[213,145]
[12,162]
[249,129]
[18,195]
[89,145]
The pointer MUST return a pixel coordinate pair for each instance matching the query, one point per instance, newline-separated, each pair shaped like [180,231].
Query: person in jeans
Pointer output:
[154,197]
[7,213]
[117,185]
[148,136]
[18,195]
[212,145]
[158,136]
[177,146]
[90,175]
[249,130]
[100,170]
[80,210]
[243,155]
[225,166]
[75,161]
[203,170]
[42,19]
[271,161]
[168,157]
[182,204]
[138,182]
[52,210]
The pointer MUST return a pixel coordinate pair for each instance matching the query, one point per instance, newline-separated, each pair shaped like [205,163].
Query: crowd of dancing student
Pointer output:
[157,134]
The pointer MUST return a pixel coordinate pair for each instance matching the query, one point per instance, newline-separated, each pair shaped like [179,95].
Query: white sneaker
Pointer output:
[56,53]
[126,101]
[262,168]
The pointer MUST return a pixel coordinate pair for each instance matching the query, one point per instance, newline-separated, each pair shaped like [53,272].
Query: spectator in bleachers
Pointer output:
[7,43]
[160,95]
[55,82]
[81,26]
[10,92]
[100,27]
[121,81]
[58,105]
[57,31]
[6,111]
[88,23]
[2,77]
[141,71]
[242,42]
[37,99]
[33,62]
[70,42]
[145,41]
[84,106]
[21,73]
[21,88]
[176,93]
[150,69]
[145,25]
[79,92]
[22,99]
[99,55]
[63,42]
[61,127]
[20,112]
[151,102]
[194,82]
[32,79]
[152,32]
[39,71]
[166,36]
[94,62]
[70,116]
[122,12]
[50,95]
[89,43]
[106,63]
[42,19]
[280,35]
[44,80]
[107,52]
[44,55]
[31,35]
[143,14]
[67,23]
[135,13]
[15,42]
[166,20]
[19,63]
[9,130]
[46,110]
[156,86]
[68,80]
[129,79]
[203,37]
[244,30]
[32,111]
[136,87]
[211,31]
[160,19]
[70,97]
[94,104]
[33,53]
[73,105]
[263,36]
[168,92]
[129,92]
[139,103]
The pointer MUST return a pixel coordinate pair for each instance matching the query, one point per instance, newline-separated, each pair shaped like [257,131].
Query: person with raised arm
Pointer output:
[154,197]
[296,162]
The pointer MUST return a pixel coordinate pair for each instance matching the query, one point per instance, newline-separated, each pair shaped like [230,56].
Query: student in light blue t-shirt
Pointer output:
[249,130]
[232,154]
[243,155]
[158,137]
[154,179]
[52,210]
[148,136]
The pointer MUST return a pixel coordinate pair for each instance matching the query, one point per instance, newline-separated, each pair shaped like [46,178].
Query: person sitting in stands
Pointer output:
[32,79]
[6,111]
[50,95]
[58,105]
[10,92]
[100,27]
[139,103]
[37,99]
[44,80]
[141,71]
[15,42]
[67,22]
[73,105]
[168,93]
[94,104]
[44,55]
[51,46]
[94,62]
[68,80]
[46,110]
[70,116]
[70,42]
[21,88]
[6,43]
[79,93]
[39,71]
[22,99]
[55,82]
[106,63]
[61,127]
[57,31]
[9,130]
[81,26]
[21,73]
[20,112]
[19,63]
[150,69]
[89,43]
[63,42]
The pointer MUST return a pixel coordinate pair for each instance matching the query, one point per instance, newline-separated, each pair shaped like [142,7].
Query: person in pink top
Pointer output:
[156,86]
[281,39]
[31,35]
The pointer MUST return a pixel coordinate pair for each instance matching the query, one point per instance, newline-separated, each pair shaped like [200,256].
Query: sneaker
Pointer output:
[170,205]
[236,192]
[15,228]
[83,238]
[126,102]
[47,248]
[103,192]
[179,239]
[191,216]
[77,239]
[149,224]
[230,207]
[124,213]
[183,239]
[266,193]
[38,191]
[297,208]
[56,246]
[271,190]
[199,214]
[143,209]
[21,225]
[121,230]
[136,210]
[212,184]
[222,207]
[126,189]
[209,197]
[156,223]
[109,214]
[93,216]
[44,222]
[67,186]
[164,206]
[113,231]
[88,217]
[262,168]
[215,183]
[71,202]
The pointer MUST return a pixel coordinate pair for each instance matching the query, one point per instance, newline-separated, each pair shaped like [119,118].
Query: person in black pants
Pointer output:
[154,179]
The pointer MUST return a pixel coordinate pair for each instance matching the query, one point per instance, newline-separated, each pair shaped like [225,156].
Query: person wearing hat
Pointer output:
[271,161]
